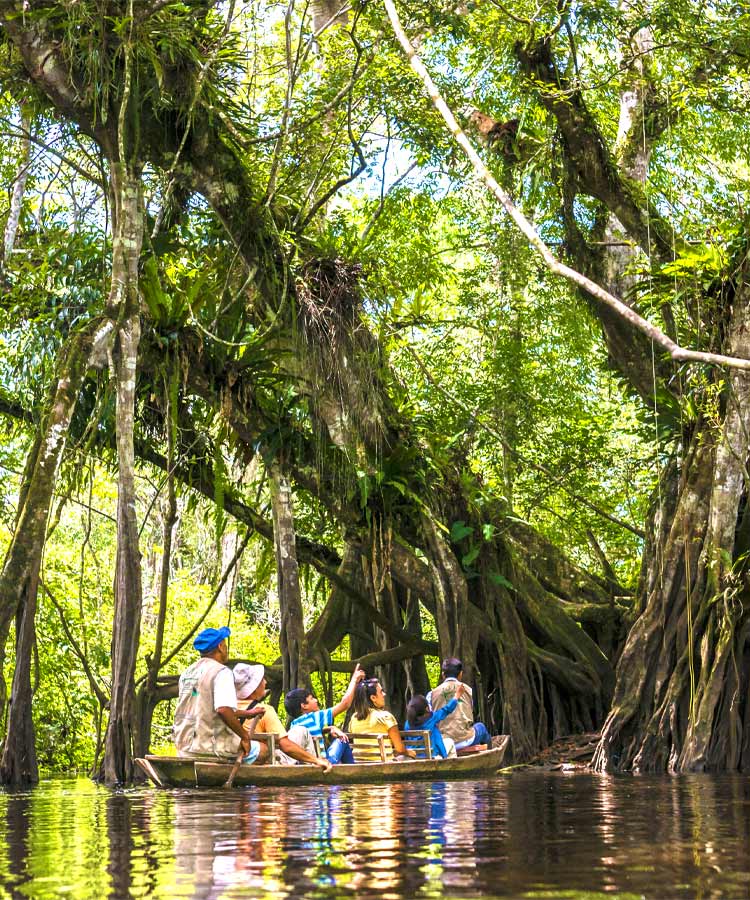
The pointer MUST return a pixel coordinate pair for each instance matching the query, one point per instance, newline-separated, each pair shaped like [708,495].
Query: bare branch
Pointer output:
[291,82]
[24,134]
[214,597]
[362,162]
[100,695]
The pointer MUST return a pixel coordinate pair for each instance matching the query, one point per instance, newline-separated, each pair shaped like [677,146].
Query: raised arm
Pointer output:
[346,700]
[444,711]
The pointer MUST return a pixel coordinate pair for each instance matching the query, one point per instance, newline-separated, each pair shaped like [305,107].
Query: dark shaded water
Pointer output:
[522,835]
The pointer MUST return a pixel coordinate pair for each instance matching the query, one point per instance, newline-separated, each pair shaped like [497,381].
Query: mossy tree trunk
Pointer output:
[124,305]
[682,678]
[292,641]
[117,131]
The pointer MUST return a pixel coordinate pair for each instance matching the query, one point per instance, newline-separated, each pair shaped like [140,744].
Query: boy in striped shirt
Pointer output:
[303,709]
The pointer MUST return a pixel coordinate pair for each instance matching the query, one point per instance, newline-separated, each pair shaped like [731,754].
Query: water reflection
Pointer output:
[526,835]
[16,850]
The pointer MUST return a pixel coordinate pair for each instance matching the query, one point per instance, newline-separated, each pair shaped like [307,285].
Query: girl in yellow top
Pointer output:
[371,716]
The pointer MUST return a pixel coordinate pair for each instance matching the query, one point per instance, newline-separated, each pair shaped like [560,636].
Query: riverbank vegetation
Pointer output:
[274,354]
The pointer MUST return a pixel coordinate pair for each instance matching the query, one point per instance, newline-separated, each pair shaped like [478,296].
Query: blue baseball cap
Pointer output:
[210,638]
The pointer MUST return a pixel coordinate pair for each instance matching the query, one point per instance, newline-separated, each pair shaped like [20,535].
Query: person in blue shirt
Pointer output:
[303,709]
[421,718]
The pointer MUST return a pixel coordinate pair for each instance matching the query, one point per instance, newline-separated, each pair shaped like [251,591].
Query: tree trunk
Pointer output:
[19,581]
[28,473]
[123,303]
[19,764]
[328,12]
[230,541]
[145,698]
[417,680]
[292,633]
[682,680]
[684,666]
[143,715]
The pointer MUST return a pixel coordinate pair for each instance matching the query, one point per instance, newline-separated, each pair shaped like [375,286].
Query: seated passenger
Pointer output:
[459,724]
[205,721]
[250,683]
[371,717]
[303,709]
[421,718]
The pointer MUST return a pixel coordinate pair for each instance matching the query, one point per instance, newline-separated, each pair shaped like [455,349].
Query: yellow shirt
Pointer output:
[378,721]
[269,722]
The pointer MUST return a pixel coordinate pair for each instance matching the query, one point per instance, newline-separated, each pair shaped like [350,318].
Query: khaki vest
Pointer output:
[198,729]
[459,725]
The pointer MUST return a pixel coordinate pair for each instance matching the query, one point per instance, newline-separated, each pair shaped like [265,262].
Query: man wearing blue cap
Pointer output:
[205,721]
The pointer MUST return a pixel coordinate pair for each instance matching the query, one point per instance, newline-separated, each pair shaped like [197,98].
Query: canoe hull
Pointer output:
[176,772]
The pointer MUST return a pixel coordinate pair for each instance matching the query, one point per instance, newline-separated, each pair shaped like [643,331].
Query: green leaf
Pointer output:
[152,293]
[460,530]
[468,558]
[500,581]
[364,488]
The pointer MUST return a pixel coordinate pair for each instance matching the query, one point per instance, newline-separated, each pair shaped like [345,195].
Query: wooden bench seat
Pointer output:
[377,747]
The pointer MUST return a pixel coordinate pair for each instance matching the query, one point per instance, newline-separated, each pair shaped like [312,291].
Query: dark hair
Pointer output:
[362,694]
[451,667]
[293,702]
[417,711]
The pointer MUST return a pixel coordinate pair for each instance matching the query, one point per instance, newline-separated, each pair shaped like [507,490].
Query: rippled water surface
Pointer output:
[520,835]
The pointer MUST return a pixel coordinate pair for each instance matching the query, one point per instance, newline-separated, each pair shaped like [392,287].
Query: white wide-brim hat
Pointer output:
[247,678]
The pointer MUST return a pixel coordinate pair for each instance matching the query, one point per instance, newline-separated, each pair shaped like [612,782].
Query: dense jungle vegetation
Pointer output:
[274,354]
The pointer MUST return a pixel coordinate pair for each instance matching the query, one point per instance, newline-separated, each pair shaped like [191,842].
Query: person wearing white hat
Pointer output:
[250,684]
[247,677]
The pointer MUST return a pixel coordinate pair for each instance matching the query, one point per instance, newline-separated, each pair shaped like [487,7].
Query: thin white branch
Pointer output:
[19,185]
[678,353]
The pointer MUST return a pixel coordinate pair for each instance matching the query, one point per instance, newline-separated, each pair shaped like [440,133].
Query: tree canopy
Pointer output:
[272,353]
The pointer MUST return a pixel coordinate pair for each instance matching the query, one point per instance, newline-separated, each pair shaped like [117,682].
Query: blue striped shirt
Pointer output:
[315,721]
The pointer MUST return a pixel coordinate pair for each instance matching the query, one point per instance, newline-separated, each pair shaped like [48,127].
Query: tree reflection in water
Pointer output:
[387,840]
[17,849]
[525,835]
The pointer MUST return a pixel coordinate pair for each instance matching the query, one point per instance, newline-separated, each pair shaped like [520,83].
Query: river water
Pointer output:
[529,834]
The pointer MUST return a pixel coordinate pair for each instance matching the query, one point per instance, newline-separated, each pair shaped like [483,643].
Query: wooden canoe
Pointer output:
[170,771]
